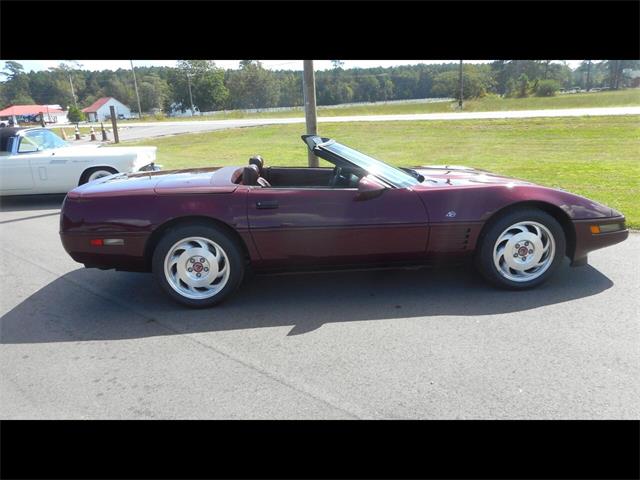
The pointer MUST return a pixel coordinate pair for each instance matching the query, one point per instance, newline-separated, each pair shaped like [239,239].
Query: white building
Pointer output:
[99,110]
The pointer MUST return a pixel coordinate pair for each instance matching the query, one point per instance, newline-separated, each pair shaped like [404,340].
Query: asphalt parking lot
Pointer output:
[77,343]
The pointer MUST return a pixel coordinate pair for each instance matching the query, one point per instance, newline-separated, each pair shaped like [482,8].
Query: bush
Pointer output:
[75,115]
[547,88]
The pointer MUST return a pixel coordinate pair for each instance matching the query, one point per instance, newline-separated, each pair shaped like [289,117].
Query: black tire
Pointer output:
[224,240]
[484,255]
[84,178]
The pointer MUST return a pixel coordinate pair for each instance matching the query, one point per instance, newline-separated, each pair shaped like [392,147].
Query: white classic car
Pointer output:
[36,160]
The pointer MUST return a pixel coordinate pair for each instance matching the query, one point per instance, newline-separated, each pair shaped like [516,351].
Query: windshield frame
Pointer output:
[394,176]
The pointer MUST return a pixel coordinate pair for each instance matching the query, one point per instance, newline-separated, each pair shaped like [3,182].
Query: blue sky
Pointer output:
[271,64]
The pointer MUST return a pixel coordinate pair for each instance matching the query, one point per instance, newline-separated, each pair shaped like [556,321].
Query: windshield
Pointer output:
[42,139]
[397,177]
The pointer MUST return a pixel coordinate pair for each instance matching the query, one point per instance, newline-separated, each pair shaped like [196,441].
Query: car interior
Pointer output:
[257,174]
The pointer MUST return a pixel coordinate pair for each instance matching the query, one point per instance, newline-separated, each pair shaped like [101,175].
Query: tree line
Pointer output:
[202,84]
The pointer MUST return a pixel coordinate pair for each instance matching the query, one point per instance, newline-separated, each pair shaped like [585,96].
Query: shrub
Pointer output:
[547,88]
[75,115]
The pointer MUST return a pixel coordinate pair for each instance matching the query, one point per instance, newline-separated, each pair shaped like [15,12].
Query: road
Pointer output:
[78,343]
[140,130]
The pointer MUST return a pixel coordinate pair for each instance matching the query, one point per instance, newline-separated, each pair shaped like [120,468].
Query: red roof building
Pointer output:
[99,110]
[95,106]
[16,110]
[46,113]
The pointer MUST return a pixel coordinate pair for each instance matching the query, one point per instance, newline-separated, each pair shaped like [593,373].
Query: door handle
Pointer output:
[267,204]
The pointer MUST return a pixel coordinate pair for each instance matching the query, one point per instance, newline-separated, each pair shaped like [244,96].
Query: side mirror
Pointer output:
[369,187]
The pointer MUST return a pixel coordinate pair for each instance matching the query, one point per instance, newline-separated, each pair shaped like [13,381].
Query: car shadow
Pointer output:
[19,203]
[88,305]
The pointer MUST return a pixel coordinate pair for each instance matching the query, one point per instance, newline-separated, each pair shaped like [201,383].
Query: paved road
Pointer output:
[140,130]
[78,343]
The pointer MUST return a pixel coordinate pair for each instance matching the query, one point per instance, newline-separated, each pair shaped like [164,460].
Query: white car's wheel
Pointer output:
[96,173]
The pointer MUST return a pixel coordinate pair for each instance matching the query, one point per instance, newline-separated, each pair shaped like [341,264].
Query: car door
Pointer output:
[15,171]
[54,171]
[320,226]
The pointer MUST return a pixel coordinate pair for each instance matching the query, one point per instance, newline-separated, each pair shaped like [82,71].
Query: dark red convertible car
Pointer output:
[200,230]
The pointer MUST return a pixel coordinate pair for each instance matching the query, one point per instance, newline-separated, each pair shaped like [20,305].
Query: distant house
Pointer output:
[33,113]
[99,110]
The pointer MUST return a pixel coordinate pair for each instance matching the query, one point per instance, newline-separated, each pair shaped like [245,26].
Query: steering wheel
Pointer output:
[337,173]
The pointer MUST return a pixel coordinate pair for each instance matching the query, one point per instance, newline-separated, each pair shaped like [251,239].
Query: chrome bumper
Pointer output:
[152,167]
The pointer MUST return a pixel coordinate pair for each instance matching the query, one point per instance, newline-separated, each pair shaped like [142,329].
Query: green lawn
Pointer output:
[629,97]
[597,157]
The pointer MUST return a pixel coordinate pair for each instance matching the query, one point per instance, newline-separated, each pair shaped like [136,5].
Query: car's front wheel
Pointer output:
[521,249]
[95,173]
[198,265]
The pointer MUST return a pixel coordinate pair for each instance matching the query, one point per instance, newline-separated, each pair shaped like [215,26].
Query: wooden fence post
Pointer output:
[114,124]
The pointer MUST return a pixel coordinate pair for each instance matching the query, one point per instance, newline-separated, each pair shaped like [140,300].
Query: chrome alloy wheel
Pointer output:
[524,251]
[196,268]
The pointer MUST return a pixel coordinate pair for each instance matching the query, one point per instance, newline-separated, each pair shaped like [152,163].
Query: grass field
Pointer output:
[621,98]
[598,157]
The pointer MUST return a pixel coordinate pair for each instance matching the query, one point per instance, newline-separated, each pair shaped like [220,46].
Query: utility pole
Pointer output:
[193,110]
[588,75]
[67,69]
[461,87]
[309,86]
[73,93]
[135,84]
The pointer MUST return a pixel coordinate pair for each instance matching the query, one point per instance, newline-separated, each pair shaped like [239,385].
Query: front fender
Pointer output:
[479,203]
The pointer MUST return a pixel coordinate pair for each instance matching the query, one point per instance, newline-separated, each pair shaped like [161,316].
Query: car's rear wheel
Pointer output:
[521,249]
[94,173]
[198,265]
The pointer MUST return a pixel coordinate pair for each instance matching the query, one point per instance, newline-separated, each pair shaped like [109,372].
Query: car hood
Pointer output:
[163,182]
[456,175]
[493,192]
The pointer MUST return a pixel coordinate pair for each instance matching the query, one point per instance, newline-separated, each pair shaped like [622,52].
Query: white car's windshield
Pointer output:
[43,139]
[397,177]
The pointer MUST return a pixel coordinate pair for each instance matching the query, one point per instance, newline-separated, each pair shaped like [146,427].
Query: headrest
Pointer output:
[258,162]
[250,175]
[236,177]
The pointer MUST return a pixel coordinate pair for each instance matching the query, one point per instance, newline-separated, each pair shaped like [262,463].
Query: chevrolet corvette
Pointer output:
[201,230]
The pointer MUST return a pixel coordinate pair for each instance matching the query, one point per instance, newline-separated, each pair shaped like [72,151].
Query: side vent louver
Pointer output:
[465,243]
